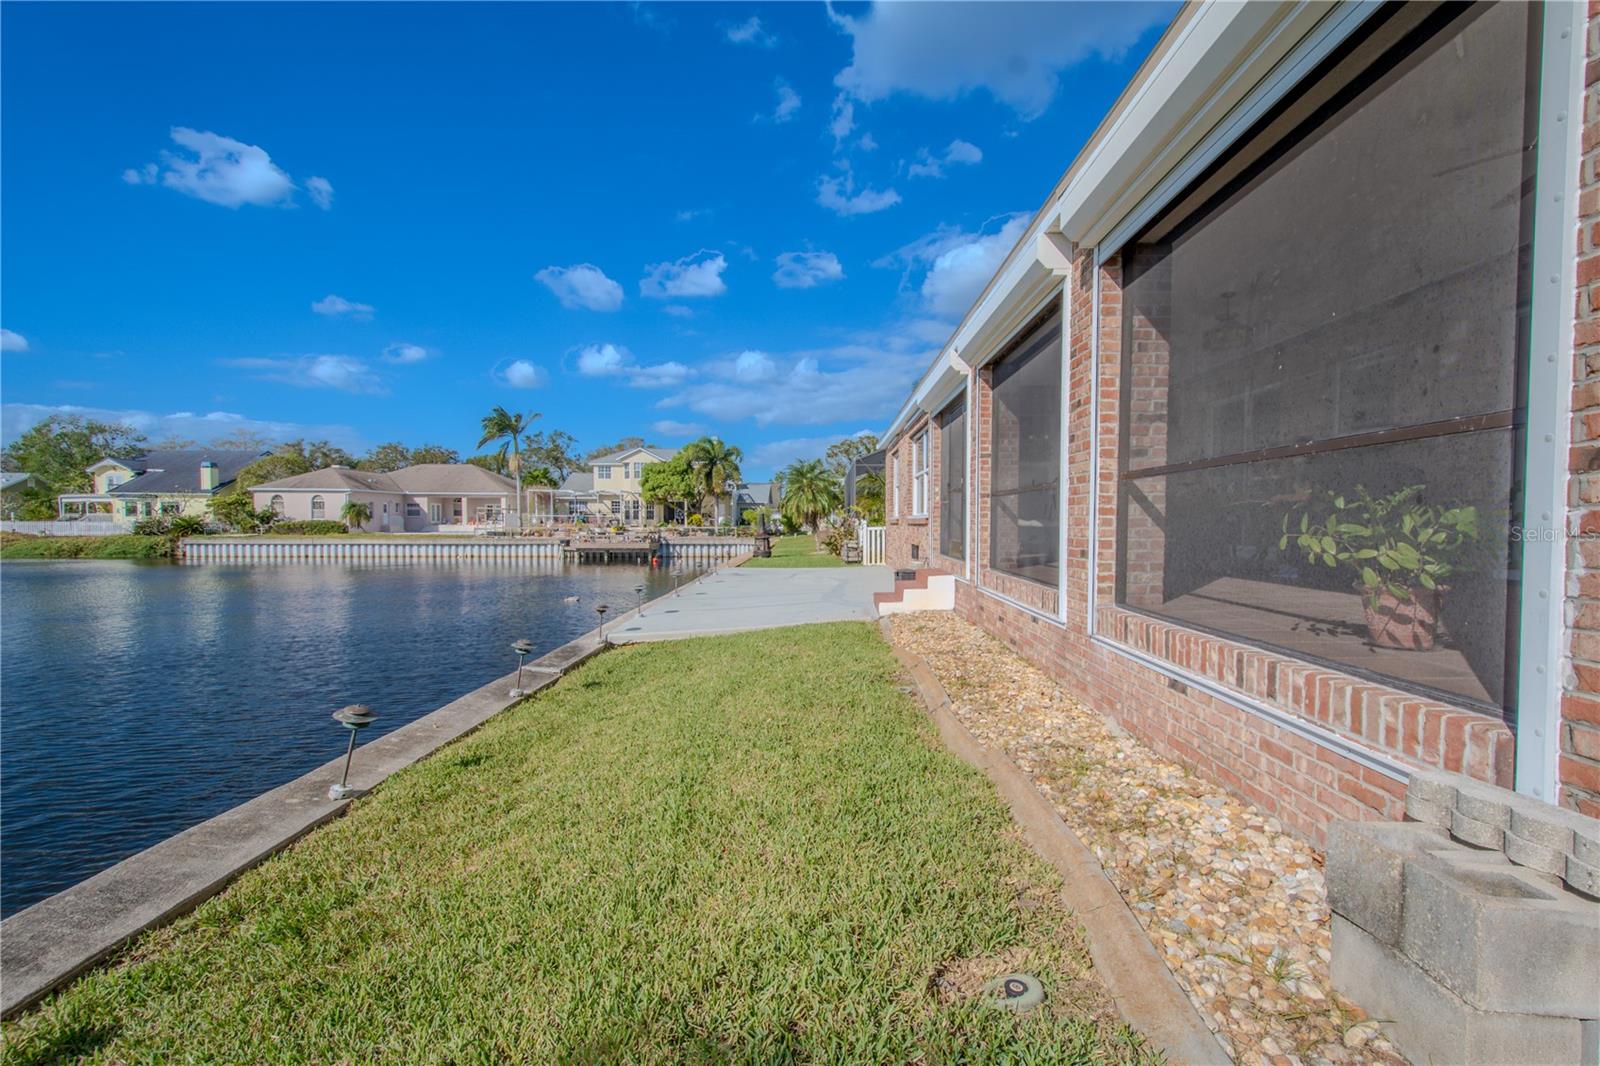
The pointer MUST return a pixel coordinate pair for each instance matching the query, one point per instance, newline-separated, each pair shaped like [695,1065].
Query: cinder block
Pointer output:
[1581,876]
[1485,803]
[1428,812]
[1469,830]
[1363,870]
[1429,1023]
[1433,787]
[1545,859]
[1552,826]
[1502,939]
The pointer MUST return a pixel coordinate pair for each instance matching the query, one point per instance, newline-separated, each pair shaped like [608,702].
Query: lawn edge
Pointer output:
[45,946]
[1146,992]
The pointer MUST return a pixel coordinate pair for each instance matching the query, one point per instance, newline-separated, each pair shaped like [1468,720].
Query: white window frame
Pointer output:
[319,509]
[892,487]
[275,505]
[602,472]
[436,513]
[919,475]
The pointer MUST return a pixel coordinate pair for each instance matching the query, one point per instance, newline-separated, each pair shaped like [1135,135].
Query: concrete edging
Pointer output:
[46,945]
[1146,993]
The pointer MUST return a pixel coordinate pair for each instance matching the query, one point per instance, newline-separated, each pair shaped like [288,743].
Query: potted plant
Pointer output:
[1401,551]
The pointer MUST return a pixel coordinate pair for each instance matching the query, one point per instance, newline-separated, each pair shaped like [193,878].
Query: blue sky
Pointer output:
[371,222]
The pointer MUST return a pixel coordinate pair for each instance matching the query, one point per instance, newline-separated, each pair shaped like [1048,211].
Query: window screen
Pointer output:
[1025,456]
[1321,354]
[953,480]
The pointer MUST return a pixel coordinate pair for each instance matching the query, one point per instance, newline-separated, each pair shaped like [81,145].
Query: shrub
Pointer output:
[154,526]
[835,534]
[319,527]
[697,520]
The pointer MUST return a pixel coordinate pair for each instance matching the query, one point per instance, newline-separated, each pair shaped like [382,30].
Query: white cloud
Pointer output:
[1013,51]
[337,306]
[775,455]
[17,418]
[679,311]
[806,270]
[221,170]
[788,102]
[694,275]
[11,341]
[750,31]
[955,265]
[401,352]
[844,119]
[613,360]
[754,366]
[959,153]
[582,286]
[603,360]
[689,214]
[343,372]
[321,192]
[838,194]
[667,375]
[521,374]
[863,380]
[867,143]
[669,428]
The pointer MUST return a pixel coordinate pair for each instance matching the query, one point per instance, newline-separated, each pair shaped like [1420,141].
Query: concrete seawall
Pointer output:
[46,945]
[270,549]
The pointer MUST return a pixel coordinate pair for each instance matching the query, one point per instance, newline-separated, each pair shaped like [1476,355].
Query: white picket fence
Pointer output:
[79,528]
[871,538]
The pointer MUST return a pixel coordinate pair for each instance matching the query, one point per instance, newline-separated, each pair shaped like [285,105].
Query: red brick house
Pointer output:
[1277,435]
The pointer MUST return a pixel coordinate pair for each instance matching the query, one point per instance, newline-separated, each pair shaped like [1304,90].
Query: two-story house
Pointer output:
[156,483]
[611,490]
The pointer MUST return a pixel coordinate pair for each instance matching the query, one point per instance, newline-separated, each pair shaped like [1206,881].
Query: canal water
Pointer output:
[137,699]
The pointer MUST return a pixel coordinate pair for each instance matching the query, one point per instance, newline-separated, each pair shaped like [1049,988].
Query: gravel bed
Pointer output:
[1235,904]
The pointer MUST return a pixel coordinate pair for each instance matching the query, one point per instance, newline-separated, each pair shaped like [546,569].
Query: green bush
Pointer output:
[308,528]
[123,546]
[154,526]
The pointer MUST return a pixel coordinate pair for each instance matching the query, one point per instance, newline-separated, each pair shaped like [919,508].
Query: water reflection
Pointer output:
[139,699]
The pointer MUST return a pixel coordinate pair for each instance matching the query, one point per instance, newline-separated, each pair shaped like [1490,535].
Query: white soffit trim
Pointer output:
[1218,58]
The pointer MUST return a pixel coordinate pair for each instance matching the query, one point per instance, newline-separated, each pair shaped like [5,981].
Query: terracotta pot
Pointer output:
[1410,624]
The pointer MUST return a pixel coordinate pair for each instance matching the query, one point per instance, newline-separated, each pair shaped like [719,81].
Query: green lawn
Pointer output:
[799,550]
[115,546]
[736,849]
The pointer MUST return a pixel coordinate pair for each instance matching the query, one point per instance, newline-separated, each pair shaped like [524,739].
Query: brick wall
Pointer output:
[1580,706]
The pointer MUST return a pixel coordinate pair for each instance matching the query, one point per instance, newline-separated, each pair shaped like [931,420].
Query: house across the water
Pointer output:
[426,498]
[156,483]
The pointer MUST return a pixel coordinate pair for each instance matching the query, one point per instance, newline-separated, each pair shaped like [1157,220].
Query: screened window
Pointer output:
[275,505]
[1322,347]
[919,474]
[1025,456]
[318,508]
[953,480]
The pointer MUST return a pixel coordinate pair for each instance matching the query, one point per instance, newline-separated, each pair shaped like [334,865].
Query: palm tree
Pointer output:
[715,467]
[810,493]
[509,429]
[355,514]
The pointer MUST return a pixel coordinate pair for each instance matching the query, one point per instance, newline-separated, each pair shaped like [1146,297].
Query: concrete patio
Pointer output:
[739,599]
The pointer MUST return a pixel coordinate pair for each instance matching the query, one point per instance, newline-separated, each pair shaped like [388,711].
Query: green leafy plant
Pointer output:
[696,520]
[314,527]
[1393,543]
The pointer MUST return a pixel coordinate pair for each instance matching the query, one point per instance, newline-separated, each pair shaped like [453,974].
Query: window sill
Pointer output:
[1414,728]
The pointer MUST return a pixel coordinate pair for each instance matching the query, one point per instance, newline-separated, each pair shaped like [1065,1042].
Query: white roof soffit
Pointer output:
[1215,58]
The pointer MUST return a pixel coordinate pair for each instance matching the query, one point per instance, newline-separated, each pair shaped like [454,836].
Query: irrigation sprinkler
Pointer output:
[355,718]
[523,648]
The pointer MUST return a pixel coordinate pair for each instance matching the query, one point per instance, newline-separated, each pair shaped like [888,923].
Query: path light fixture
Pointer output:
[523,648]
[600,609]
[638,590]
[355,718]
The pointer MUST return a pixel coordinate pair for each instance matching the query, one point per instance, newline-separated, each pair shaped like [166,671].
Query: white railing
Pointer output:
[871,538]
[102,527]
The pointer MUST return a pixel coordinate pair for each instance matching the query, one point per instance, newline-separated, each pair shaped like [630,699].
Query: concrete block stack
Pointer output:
[1473,932]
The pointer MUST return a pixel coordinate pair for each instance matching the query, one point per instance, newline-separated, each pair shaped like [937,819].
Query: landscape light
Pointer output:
[523,648]
[639,591]
[600,609]
[355,718]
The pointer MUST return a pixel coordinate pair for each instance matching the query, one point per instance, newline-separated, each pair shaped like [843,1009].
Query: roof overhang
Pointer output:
[1207,62]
